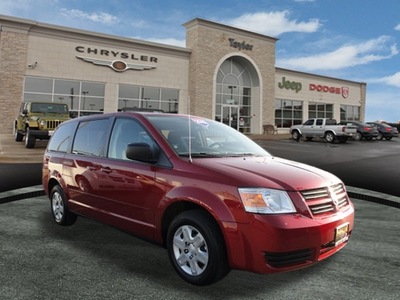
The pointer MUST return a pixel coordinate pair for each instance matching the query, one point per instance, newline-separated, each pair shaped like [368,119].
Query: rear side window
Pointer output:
[91,137]
[62,137]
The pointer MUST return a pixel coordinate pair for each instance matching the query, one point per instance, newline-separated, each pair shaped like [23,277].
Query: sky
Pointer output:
[356,40]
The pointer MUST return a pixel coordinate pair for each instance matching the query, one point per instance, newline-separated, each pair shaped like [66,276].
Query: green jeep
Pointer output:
[37,120]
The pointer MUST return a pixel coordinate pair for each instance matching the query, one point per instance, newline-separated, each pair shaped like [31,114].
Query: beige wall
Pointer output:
[54,50]
[297,87]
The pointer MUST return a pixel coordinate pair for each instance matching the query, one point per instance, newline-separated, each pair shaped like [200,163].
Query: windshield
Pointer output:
[207,138]
[49,108]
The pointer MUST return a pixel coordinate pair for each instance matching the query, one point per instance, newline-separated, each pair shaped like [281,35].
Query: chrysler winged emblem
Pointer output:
[116,65]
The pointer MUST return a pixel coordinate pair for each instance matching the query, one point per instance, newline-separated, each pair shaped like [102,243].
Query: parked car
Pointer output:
[364,130]
[322,128]
[384,130]
[37,120]
[211,196]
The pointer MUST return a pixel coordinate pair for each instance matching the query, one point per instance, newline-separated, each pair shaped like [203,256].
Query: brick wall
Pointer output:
[13,53]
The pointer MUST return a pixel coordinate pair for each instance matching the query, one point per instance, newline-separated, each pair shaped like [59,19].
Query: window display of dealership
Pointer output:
[223,73]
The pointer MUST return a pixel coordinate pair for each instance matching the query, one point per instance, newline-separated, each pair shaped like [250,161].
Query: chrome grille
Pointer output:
[325,200]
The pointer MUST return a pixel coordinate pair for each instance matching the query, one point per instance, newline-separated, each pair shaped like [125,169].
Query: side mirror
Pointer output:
[141,152]
[25,112]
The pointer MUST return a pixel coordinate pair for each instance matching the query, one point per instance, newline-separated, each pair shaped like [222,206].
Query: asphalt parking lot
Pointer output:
[41,260]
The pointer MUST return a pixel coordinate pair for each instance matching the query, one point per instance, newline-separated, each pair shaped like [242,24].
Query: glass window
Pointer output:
[150,93]
[66,87]
[349,113]
[126,131]
[129,91]
[91,137]
[234,91]
[288,113]
[82,97]
[320,110]
[132,97]
[62,137]
[38,85]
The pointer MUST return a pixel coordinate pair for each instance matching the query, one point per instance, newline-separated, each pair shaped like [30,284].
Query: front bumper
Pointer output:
[41,134]
[281,243]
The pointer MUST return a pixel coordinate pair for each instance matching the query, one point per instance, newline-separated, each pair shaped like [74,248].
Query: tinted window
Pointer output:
[62,137]
[126,131]
[91,137]
[309,122]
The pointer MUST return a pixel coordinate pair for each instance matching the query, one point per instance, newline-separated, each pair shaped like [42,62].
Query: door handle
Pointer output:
[106,170]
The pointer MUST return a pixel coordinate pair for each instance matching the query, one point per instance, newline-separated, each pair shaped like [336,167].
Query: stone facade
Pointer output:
[13,53]
[211,44]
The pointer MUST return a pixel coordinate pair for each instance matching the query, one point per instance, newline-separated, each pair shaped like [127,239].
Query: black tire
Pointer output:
[358,136]
[330,137]
[379,137]
[59,207]
[29,139]
[195,244]
[18,135]
[296,135]
[388,138]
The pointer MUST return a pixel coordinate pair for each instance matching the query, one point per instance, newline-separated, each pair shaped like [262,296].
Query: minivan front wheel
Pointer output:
[196,248]
[59,209]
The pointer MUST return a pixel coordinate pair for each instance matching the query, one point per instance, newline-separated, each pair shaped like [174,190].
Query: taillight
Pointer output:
[388,129]
[367,128]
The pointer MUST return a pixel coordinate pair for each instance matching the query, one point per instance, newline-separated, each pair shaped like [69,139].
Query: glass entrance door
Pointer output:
[230,115]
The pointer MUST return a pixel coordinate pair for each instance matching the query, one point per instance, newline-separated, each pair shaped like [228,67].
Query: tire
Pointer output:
[29,139]
[18,135]
[388,138]
[296,135]
[358,136]
[196,248]
[59,207]
[329,137]
[379,137]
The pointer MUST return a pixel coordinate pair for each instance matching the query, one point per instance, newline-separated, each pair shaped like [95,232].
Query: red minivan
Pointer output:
[207,193]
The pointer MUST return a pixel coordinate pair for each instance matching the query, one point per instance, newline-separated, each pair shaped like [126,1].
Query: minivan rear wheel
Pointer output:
[59,208]
[196,248]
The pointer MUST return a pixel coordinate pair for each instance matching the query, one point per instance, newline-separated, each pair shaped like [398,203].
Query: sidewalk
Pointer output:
[15,152]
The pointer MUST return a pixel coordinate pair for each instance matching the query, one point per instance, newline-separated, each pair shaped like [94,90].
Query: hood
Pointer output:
[271,172]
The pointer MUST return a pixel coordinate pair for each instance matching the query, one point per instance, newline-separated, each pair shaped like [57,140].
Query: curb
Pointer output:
[372,196]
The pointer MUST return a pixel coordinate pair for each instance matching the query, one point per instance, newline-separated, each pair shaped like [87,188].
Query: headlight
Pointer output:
[266,201]
[42,122]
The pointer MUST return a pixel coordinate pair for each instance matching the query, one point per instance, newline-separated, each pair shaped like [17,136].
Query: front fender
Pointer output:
[297,129]
[224,207]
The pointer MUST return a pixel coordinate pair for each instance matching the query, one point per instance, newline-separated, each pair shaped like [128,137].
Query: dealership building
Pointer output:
[224,73]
